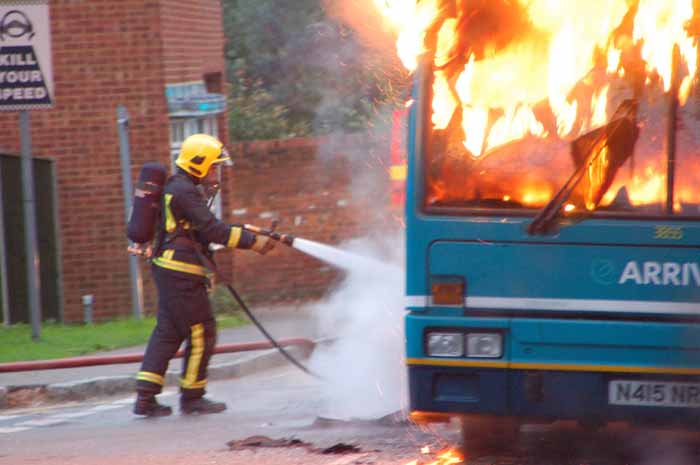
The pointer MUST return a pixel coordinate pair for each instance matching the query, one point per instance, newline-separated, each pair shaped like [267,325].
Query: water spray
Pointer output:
[357,265]
[334,256]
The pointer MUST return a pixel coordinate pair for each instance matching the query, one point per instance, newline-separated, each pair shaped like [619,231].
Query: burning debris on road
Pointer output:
[254,442]
[449,456]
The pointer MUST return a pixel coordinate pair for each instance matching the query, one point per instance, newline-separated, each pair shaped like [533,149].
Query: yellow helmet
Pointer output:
[199,152]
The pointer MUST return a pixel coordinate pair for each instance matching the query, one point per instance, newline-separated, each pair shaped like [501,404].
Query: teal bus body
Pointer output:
[598,321]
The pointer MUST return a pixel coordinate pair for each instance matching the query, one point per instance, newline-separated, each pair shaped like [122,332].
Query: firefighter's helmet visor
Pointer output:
[224,158]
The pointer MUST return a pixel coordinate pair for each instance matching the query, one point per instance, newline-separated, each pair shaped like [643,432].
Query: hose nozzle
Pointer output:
[286,239]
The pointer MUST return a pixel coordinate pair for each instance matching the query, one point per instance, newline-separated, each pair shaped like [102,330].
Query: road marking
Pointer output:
[13,430]
[101,408]
[42,422]
[62,418]
[74,414]
[48,416]
[123,401]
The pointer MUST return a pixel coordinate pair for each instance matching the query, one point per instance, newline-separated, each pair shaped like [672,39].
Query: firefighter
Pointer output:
[186,229]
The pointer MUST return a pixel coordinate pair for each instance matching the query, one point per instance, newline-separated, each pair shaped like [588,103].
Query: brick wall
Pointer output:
[107,53]
[193,46]
[193,39]
[327,190]
[104,54]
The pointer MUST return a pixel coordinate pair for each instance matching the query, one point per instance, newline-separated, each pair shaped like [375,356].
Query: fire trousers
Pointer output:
[184,314]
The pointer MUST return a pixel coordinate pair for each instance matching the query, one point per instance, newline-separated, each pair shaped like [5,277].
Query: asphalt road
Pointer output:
[284,404]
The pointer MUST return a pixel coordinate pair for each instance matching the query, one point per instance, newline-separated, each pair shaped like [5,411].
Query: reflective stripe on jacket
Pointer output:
[186,217]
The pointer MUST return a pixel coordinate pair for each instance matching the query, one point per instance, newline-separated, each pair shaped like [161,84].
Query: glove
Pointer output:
[262,244]
[142,250]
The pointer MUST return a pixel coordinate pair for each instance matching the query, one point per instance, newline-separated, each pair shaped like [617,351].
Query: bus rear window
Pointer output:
[513,121]
[528,172]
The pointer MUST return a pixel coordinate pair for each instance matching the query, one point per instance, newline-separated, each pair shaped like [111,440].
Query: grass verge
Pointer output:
[59,340]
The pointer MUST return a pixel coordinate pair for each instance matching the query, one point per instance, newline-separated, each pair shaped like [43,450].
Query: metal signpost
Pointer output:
[3,263]
[125,158]
[26,83]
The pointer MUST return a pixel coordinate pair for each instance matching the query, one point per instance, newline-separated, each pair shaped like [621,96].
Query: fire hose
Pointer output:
[76,362]
[272,234]
[286,239]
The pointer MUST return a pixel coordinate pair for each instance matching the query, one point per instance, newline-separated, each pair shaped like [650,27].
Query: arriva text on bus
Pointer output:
[661,273]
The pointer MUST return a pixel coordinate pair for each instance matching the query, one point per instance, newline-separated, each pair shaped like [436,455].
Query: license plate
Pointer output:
[654,393]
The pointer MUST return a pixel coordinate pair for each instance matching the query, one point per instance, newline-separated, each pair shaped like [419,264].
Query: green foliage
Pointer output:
[295,71]
[59,340]
[254,114]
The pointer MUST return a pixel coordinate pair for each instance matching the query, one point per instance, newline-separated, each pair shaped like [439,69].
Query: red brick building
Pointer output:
[163,60]
[106,54]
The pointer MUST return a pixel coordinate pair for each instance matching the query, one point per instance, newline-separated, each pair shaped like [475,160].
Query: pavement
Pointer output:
[37,387]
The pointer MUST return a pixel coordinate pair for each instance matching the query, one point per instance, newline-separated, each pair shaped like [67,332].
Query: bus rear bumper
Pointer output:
[543,395]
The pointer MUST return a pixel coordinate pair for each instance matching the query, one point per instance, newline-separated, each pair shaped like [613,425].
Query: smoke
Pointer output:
[363,366]
[356,54]
[364,18]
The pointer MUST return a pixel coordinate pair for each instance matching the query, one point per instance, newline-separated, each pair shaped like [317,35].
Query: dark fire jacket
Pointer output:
[186,222]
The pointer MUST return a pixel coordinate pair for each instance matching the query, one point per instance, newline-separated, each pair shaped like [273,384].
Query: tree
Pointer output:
[294,70]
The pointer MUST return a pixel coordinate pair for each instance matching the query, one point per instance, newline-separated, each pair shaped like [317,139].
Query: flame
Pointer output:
[445,102]
[532,196]
[412,19]
[545,65]
[647,187]
[516,123]
[549,70]
[658,25]
[596,175]
[446,457]
[599,110]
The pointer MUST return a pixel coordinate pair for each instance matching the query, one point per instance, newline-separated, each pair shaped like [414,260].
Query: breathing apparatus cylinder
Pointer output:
[146,202]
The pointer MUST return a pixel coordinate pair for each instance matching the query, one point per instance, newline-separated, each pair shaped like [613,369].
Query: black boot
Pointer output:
[200,405]
[148,406]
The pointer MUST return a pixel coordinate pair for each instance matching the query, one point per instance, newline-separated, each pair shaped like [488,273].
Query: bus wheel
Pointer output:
[482,433]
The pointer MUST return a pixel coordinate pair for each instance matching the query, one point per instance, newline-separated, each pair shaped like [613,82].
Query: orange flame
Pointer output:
[446,457]
[576,58]
[658,25]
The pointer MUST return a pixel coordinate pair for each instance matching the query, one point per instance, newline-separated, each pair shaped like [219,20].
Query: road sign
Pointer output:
[26,75]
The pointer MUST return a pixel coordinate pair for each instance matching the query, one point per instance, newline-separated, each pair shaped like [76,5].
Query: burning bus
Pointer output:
[552,210]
